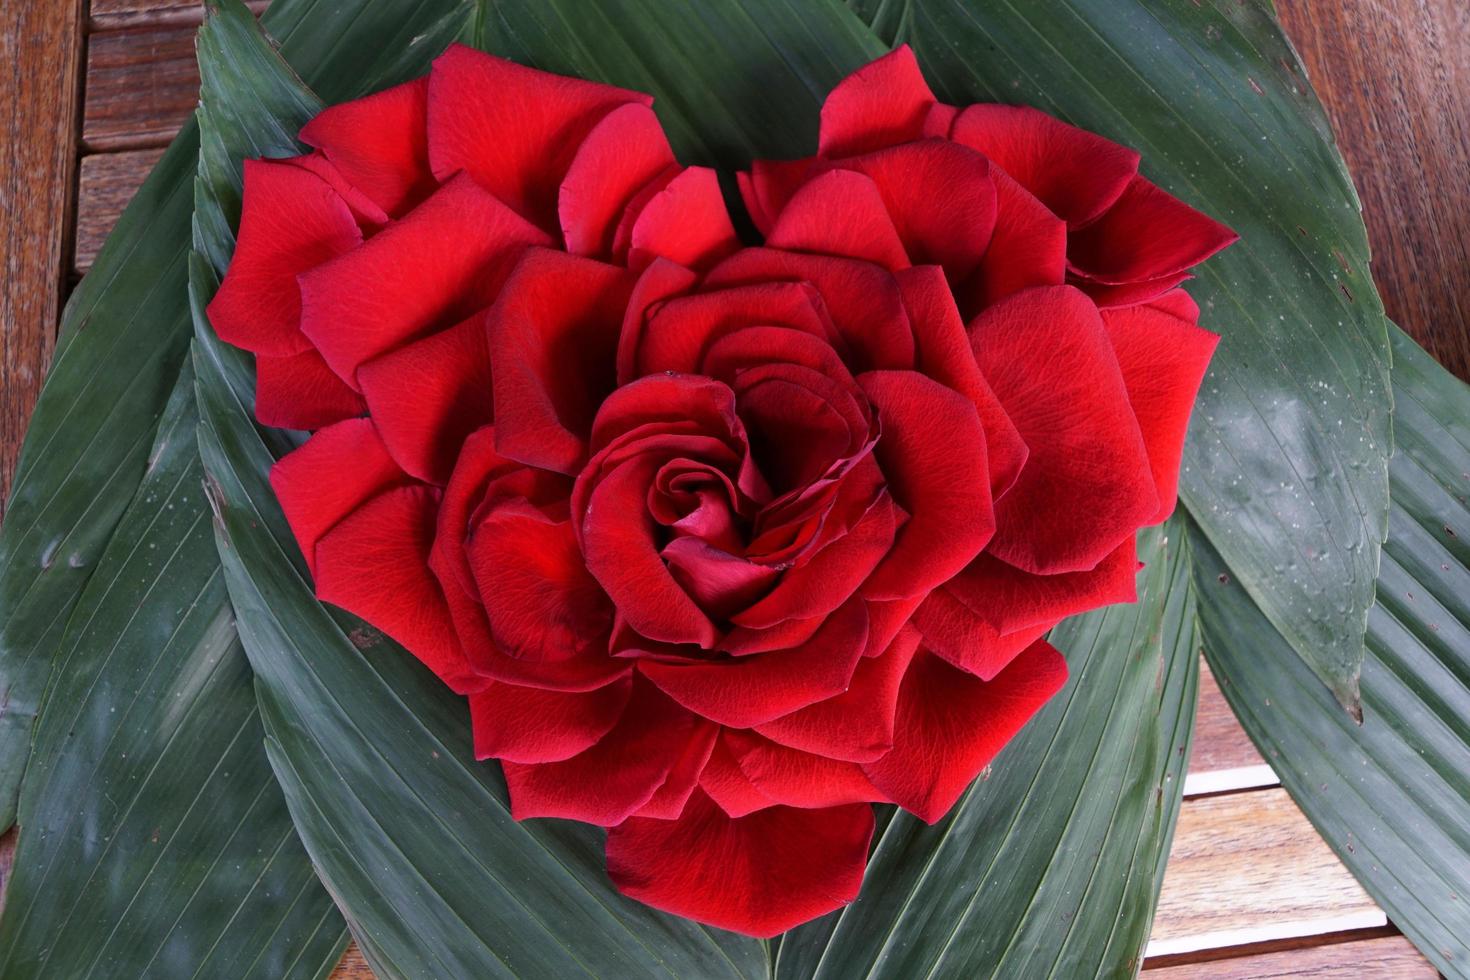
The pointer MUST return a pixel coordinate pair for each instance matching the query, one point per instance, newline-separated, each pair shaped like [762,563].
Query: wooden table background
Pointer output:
[95,91]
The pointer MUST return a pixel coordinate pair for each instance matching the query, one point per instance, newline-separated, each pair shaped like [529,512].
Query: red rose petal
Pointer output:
[374,564]
[721,583]
[790,777]
[883,103]
[1086,484]
[443,261]
[1077,174]
[379,143]
[1010,599]
[685,222]
[962,636]
[1130,293]
[540,602]
[862,300]
[751,690]
[660,281]
[668,802]
[625,151]
[768,185]
[950,725]
[728,785]
[933,454]
[941,199]
[1147,234]
[523,724]
[1176,302]
[945,354]
[1029,247]
[840,213]
[761,874]
[368,214]
[331,475]
[614,778]
[680,331]
[291,221]
[856,725]
[513,129]
[427,396]
[553,339]
[1163,359]
[301,392]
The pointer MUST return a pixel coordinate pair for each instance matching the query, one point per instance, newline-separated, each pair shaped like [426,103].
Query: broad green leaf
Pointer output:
[1286,466]
[732,80]
[1050,865]
[412,836]
[1392,795]
[156,841]
[124,335]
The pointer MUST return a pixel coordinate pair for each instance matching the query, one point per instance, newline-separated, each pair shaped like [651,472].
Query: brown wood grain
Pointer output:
[142,84]
[1394,76]
[1386,958]
[40,52]
[106,184]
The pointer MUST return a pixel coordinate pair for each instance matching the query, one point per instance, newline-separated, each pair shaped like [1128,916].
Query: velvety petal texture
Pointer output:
[722,543]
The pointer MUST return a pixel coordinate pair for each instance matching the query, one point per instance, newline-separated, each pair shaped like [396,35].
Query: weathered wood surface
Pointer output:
[1248,877]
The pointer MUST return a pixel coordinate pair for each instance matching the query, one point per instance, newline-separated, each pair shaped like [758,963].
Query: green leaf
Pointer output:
[1392,795]
[411,834]
[1286,466]
[156,841]
[124,335]
[1050,865]
[731,80]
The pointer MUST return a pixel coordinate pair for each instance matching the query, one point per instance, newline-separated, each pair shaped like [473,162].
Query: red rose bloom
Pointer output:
[729,544]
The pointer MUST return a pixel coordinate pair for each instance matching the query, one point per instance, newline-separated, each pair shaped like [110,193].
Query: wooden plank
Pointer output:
[1388,958]
[40,51]
[1248,868]
[1222,758]
[1394,76]
[107,182]
[114,14]
[142,84]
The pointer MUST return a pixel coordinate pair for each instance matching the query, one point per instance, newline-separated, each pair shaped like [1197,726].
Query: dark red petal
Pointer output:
[614,778]
[768,185]
[862,300]
[364,209]
[791,777]
[760,875]
[941,199]
[721,583]
[882,103]
[1176,302]
[933,454]
[427,396]
[668,802]
[728,785]
[951,724]
[747,691]
[1076,174]
[1147,234]
[625,151]
[301,392]
[514,129]
[856,725]
[1163,359]
[523,724]
[291,222]
[684,222]
[945,354]
[620,542]
[1010,599]
[443,261]
[336,471]
[660,281]
[962,636]
[380,144]
[540,602]
[840,213]
[1128,294]
[680,331]
[829,577]
[374,564]
[1029,247]
[553,339]
[1086,484]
